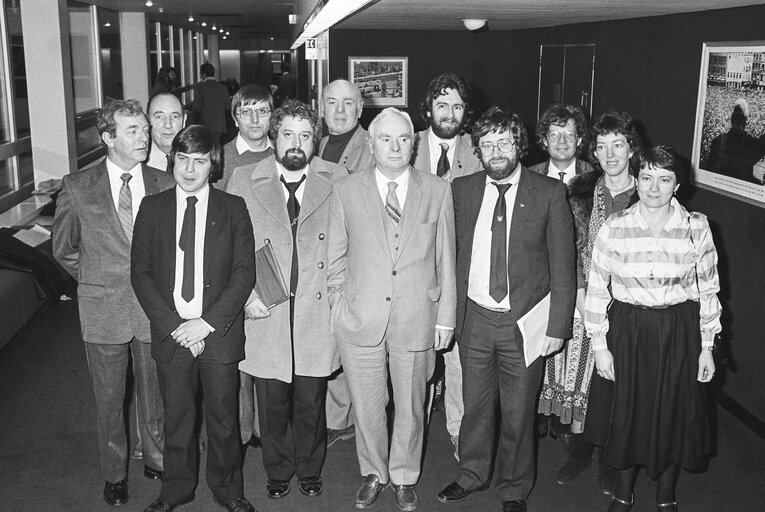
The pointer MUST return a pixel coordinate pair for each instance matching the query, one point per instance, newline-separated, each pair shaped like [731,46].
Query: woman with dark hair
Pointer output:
[652,313]
[593,196]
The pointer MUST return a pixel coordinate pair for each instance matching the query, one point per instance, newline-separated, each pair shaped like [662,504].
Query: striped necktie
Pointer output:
[125,206]
[392,207]
[443,166]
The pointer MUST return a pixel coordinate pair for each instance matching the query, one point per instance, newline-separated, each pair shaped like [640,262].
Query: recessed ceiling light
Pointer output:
[214,27]
[228,33]
[293,19]
[224,37]
[107,24]
[191,17]
[149,3]
[204,23]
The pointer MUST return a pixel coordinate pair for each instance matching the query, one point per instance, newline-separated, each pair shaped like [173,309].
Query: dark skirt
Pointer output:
[656,413]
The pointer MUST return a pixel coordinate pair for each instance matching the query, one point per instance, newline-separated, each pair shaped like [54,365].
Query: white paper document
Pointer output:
[533,326]
[33,236]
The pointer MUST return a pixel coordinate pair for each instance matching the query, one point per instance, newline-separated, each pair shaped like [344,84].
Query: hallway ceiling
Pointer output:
[262,19]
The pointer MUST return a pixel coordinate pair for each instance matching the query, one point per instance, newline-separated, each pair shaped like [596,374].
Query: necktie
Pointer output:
[498,269]
[443,163]
[293,210]
[562,175]
[125,206]
[392,207]
[186,243]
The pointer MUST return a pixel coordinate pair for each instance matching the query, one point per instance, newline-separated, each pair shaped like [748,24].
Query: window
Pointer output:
[16,176]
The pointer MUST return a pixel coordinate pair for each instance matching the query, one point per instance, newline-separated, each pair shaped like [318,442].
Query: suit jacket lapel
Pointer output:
[472,205]
[267,189]
[523,200]
[318,186]
[371,198]
[212,228]
[411,209]
[102,191]
[149,181]
[167,223]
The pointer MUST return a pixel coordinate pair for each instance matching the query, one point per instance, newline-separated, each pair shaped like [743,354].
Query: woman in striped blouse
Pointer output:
[658,264]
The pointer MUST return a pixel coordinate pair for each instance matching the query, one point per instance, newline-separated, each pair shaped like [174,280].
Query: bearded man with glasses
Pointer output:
[515,245]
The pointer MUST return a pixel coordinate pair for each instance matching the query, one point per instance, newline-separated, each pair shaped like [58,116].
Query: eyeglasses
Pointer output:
[504,146]
[555,136]
[250,112]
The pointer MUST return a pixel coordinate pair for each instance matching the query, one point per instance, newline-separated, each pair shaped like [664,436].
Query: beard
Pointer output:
[499,168]
[294,159]
[444,131]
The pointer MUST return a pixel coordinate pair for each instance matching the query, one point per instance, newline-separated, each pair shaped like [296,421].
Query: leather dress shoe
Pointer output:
[311,485]
[153,474]
[137,451]
[406,497]
[240,505]
[116,493]
[607,477]
[255,441]
[277,488]
[334,436]
[159,506]
[368,492]
[571,470]
[453,493]
[514,506]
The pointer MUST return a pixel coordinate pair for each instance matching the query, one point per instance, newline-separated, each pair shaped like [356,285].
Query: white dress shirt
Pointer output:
[242,146]
[434,145]
[137,188]
[292,177]
[157,158]
[569,171]
[402,182]
[192,309]
[480,258]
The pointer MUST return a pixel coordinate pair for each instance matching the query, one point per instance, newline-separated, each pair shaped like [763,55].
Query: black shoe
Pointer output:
[240,505]
[367,494]
[153,474]
[453,493]
[334,436]
[277,488]
[255,441]
[621,505]
[571,471]
[310,485]
[159,506]
[116,493]
[514,506]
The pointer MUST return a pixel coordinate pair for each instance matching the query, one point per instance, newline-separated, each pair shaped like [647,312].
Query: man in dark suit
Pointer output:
[92,232]
[192,270]
[515,244]
[211,101]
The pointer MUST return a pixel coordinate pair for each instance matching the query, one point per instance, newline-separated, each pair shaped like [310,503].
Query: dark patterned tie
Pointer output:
[186,243]
[293,210]
[562,175]
[498,268]
[443,163]
[125,206]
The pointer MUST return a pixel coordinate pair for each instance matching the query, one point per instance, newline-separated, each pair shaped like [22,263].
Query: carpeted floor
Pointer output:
[49,460]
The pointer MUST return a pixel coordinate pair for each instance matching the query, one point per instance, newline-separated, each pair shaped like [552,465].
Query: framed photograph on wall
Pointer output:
[729,139]
[383,81]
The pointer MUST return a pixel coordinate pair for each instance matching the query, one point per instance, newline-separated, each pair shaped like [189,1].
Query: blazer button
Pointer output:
[394,272]
[321,264]
[267,241]
[321,236]
[318,295]
[387,298]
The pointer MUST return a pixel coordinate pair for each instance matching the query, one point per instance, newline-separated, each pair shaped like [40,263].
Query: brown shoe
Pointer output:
[406,497]
[368,492]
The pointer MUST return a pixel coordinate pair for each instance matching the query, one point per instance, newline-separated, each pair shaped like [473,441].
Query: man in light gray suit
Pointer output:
[92,234]
[392,291]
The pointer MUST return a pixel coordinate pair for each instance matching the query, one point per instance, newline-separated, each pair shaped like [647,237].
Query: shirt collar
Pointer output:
[437,141]
[115,170]
[382,181]
[201,195]
[242,146]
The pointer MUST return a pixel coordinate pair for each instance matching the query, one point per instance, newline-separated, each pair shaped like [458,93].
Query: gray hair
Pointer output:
[356,92]
[386,113]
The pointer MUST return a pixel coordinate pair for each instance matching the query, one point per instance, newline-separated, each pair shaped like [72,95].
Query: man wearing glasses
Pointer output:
[562,132]
[515,243]
[251,109]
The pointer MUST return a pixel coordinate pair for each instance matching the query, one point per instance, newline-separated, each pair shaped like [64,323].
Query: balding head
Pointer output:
[341,106]
[167,119]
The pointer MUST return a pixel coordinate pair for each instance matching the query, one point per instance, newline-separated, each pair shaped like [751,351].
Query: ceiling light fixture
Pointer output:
[191,18]
[474,24]
[325,15]
[293,19]
[214,27]
[221,30]
[149,3]
[107,24]
[228,33]
[204,23]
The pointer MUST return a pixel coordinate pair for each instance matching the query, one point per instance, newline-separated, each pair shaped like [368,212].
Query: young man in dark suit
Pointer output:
[192,270]
[515,240]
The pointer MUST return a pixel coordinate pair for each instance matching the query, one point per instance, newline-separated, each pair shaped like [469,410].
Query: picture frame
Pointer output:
[383,81]
[729,136]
